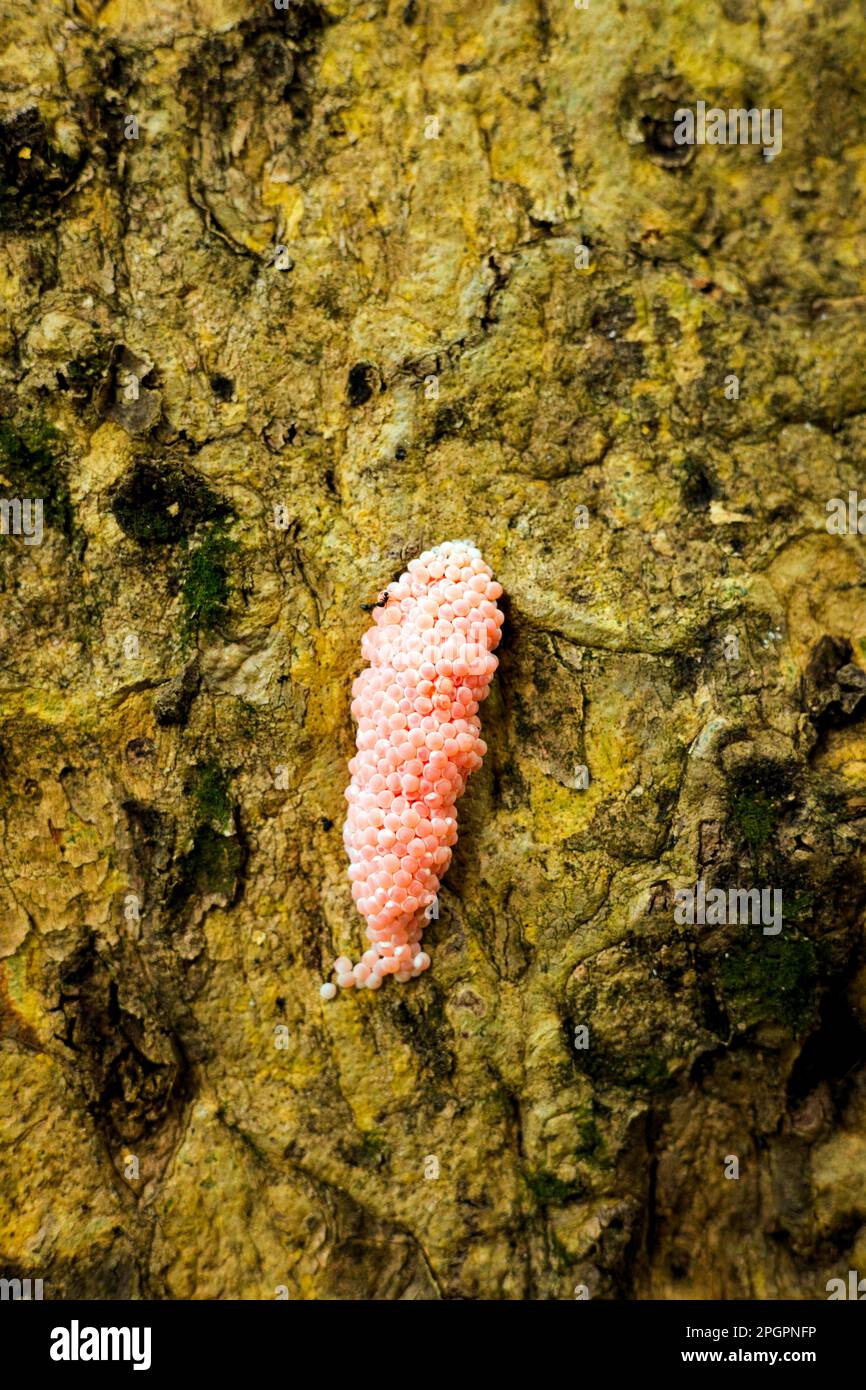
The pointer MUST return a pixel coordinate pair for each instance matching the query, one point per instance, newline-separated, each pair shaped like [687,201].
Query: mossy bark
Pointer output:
[288,296]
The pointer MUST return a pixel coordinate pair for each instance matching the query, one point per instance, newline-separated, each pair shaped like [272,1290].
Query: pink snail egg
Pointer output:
[430,661]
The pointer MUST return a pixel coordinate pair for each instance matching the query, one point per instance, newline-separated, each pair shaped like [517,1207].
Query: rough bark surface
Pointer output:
[290,288]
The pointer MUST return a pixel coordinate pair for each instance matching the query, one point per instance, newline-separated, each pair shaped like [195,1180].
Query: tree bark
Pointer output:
[288,296]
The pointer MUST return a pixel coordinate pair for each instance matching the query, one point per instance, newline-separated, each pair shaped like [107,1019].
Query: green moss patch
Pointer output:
[771,980]
[756,797]
[207,583]
[549,1190]
[31,464]
[590,1145]
[209,789]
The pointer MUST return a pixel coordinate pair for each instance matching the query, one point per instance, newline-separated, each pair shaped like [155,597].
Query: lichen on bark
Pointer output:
[321,304]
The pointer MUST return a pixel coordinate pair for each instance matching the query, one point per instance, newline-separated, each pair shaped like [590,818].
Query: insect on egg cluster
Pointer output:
[430,664]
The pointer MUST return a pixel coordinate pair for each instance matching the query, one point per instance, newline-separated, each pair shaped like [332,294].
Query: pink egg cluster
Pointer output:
[430,655]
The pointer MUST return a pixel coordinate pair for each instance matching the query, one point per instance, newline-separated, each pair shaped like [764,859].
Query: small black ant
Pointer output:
[383,597]
[380,603]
